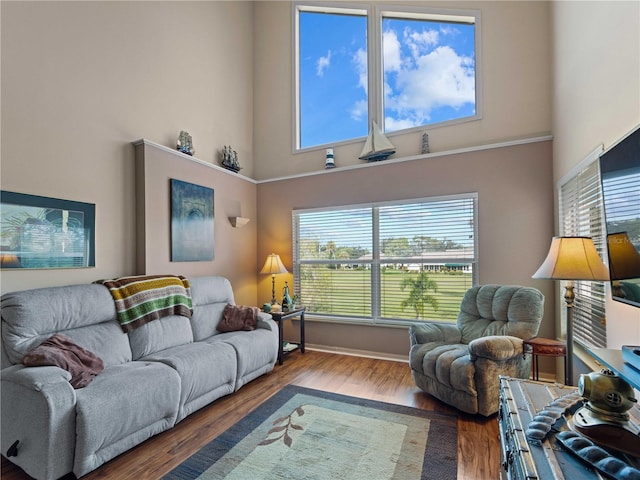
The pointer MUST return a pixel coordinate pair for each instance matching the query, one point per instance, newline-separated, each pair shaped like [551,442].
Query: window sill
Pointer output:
[367,322]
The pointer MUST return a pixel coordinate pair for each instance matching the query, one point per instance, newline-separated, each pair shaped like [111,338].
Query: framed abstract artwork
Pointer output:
[192,222]
[43,232]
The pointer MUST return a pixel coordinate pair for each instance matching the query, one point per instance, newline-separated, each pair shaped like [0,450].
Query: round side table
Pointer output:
[545,347]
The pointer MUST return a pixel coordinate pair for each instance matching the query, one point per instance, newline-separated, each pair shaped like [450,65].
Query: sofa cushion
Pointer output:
[85,313]
[500,310]
[210,296]
[256,351]
[123,406]
[159,335]
[206,372]
[451,366]
[238,317]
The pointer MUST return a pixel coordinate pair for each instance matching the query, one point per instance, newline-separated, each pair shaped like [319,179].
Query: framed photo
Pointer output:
[42,232]
[192,222]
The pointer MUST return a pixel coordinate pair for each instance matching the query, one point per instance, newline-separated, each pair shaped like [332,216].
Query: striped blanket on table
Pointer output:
[141,299]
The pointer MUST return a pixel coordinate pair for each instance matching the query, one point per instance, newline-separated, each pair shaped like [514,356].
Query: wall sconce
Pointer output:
[238,222]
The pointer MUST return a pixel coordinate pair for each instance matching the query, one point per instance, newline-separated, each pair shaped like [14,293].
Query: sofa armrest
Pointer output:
[434,332]
[37,379]
[496,347]
[265,320]
[38,411]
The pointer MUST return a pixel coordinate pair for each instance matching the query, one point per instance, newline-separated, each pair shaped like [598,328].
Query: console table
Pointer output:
[279,318]
[520,401]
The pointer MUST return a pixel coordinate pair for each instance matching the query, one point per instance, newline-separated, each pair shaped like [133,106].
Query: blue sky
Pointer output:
[429,75]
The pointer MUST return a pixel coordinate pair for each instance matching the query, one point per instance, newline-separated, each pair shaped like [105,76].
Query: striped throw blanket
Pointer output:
[141,299]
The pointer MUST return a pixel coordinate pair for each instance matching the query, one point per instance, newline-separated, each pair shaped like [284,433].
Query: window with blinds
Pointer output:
[387,261]
[581,214]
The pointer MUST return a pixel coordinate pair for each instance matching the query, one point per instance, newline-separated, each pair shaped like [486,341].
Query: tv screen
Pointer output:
[620,176]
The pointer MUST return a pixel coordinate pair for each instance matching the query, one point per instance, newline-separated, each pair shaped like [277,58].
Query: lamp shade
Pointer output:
[572,258]
[624,260]
[273,265]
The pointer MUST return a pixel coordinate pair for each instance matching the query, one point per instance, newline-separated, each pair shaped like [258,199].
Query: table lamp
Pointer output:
[572,258]
[274,266]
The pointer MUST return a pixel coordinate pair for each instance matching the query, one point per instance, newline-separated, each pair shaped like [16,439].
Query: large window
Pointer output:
[402,67]
[411,260]
[581,215]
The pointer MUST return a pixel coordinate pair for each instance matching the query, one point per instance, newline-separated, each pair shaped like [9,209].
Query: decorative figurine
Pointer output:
[185,143]
[425,143]
[286,297]
[229,159]
[329,162]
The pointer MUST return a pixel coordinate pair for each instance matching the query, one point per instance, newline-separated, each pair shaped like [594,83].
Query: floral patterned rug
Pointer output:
[307,434]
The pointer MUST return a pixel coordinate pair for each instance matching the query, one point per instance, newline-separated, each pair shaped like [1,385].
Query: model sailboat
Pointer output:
[377,147]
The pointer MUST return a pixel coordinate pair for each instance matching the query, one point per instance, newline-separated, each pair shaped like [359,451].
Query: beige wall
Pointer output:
[515,87]
[234,195]
[82,80]
[515,208]
[596,98]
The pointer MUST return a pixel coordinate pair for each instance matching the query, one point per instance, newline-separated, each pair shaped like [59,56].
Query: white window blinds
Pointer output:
[387,261]
[581,214]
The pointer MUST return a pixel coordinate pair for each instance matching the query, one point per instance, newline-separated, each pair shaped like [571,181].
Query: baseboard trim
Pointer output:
[358,353]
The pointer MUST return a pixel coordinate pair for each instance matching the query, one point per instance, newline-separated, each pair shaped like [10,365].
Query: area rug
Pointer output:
[305,434]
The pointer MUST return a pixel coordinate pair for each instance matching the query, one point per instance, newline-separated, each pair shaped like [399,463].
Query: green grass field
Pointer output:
[350,293]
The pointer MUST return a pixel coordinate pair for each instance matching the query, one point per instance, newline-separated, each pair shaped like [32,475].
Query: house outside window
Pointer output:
[387,262]
[404,67]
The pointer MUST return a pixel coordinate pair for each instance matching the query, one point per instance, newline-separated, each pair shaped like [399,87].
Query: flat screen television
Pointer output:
[620,177]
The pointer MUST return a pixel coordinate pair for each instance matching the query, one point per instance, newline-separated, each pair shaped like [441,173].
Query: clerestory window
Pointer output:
[403,67]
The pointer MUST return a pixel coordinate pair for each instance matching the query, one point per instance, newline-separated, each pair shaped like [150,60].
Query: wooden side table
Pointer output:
[279,318]
[545,347]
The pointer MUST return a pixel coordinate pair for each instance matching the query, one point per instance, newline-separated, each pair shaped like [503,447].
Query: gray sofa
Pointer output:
[153,377]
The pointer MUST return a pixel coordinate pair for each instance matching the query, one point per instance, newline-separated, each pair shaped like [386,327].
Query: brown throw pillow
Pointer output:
[61,352]
[238,317]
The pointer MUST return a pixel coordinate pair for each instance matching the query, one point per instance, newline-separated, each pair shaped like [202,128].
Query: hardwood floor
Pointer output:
[387,381]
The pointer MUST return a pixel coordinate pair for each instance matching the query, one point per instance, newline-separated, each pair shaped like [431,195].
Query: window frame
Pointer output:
[375,76]
[376,262]
[574,220]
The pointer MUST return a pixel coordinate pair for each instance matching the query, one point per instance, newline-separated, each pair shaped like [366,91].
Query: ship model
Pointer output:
[377,147]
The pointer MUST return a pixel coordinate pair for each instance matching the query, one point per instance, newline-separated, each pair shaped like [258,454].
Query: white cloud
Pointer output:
[422,73]
[323,63]
[421,43]
[359,110]
[433,79]
[392,124]
[360,61]
[392,51]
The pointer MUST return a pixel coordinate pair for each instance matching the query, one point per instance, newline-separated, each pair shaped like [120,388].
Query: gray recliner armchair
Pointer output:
[460,364]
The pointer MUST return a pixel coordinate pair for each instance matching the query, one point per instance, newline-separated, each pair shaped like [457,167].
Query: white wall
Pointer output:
[82,80]
[596,101]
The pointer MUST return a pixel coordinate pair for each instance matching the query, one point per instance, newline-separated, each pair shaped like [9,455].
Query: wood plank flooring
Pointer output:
[387,381]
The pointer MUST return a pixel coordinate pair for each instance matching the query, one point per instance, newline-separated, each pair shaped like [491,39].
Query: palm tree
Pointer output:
[418,297]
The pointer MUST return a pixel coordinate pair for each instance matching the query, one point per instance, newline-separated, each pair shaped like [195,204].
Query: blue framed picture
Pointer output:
[192,222]
[43,232]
